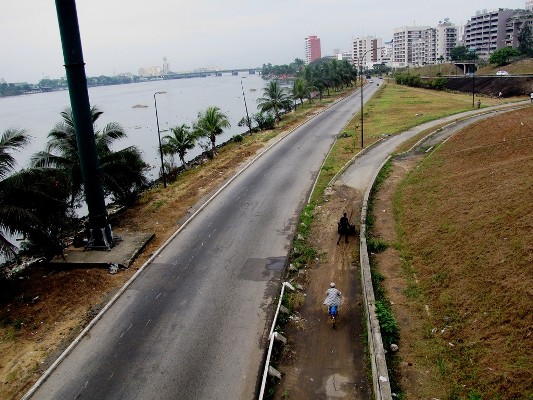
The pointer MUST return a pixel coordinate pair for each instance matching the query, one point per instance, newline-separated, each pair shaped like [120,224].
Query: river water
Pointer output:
[184,98]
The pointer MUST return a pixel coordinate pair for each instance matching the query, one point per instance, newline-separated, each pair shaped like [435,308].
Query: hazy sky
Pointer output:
[121,36]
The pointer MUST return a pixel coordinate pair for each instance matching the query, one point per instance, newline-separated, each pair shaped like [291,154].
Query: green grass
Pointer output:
[396,108]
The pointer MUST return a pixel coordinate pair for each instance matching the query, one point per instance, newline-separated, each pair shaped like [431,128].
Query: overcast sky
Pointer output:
[122,36]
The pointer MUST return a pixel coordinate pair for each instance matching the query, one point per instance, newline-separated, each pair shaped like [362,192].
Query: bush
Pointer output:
[237,138]
[389,328]
[264,121]
[376,245]
[405,78]
[438,83]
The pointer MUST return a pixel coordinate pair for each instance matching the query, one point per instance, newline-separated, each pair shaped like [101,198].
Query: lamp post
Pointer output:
[159,136]
[472,52]
[361,78]
[248,122]
[473,88]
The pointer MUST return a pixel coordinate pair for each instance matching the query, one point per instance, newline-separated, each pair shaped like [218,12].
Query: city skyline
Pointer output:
[236,33]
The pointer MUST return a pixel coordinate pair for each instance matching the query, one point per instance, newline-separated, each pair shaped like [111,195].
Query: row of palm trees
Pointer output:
[212,122]
[209,124]
[40,202]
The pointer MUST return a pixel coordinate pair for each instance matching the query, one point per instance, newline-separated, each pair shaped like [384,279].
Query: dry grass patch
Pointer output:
[466,223]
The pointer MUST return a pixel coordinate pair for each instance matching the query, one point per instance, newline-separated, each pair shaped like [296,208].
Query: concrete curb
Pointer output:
[380,374]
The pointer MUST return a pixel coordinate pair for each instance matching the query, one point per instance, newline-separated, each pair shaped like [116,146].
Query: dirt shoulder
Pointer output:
[320,362]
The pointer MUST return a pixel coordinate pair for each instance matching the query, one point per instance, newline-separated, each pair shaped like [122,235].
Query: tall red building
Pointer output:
[312,49]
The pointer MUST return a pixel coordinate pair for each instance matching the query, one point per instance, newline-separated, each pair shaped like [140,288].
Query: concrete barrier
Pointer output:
[380,375]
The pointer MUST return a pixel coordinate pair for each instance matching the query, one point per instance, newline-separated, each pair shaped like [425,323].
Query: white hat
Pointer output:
[332,284]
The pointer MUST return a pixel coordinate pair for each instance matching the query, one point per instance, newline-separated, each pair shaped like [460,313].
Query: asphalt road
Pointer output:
[193,325]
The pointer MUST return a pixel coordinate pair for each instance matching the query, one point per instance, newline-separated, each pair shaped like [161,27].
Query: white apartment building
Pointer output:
[367,51]
[342,55]
[447,37]
[386,53]
[166,66]
[150,71]
[485,32]
[409,45]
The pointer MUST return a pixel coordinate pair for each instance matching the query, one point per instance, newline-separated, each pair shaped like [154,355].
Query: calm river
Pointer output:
[184,98]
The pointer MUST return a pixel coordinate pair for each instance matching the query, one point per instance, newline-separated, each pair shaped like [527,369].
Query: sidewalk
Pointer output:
[123,253]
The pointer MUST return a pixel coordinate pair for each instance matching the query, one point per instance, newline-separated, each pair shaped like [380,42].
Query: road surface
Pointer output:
[193,325]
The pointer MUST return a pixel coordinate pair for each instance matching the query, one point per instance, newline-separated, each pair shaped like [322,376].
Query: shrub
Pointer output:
[389,328]
[438,83]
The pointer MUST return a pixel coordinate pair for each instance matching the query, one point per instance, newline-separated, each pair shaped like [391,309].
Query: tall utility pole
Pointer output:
[101,236]
[361,90]
[248,122]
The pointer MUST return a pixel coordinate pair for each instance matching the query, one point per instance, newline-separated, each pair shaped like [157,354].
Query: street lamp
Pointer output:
[473,87]
[361,78]
[159,136]
[246,108]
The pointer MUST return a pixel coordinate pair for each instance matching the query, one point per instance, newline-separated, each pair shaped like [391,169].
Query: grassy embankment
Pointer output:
[465,222]
[516,68]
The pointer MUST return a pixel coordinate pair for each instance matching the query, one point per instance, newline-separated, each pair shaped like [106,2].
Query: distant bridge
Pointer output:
[202,74]
[467,65]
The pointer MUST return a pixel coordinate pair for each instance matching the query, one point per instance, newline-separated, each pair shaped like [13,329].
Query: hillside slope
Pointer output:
[465,224]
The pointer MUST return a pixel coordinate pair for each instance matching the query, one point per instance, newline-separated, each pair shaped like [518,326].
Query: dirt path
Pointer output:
[320,362]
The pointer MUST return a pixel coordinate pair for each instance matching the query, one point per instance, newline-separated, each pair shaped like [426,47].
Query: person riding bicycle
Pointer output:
[333,297]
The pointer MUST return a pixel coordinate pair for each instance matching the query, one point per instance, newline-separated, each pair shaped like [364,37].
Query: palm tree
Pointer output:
[121,171]
[313,74]
[181,140]
[301,90]
[275,98]
[211,123]
[13,218]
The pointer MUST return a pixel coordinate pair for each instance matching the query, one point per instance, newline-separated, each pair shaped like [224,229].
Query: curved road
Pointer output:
[193,324]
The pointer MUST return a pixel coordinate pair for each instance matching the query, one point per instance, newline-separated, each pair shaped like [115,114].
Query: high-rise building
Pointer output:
[485,32]
[367,51]
[447,39]
[312,49]
[166,66]
[409,45]
[522,19]
[386,53]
